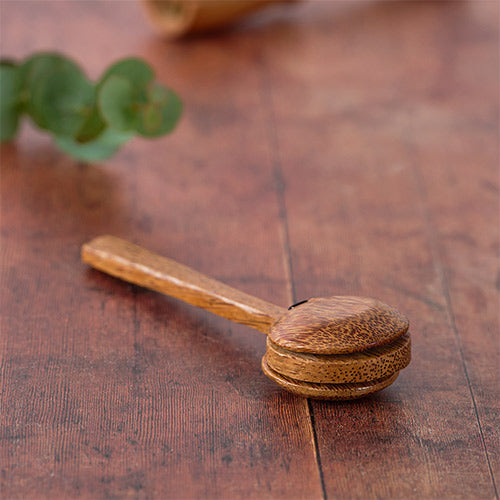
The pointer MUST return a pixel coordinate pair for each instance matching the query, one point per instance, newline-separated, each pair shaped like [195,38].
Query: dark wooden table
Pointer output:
[330,148]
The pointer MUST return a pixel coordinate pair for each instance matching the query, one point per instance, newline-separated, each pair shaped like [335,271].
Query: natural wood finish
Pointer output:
[136,265]
[338,325]
[338,147]
[365,335]
[377,363]
[335,392]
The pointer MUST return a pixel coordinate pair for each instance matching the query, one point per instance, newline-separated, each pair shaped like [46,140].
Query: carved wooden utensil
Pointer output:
[325,348]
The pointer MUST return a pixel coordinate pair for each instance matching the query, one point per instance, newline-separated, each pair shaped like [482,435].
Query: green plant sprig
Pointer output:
[88,120]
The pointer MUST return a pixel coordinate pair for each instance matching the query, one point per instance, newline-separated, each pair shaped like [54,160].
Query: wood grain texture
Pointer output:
[338,325]
[357,143]
[332,392]
[400,136]
[376,363]
[109,391]
[137,265]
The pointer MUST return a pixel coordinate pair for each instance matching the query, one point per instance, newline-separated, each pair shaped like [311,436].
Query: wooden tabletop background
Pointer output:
[329,148]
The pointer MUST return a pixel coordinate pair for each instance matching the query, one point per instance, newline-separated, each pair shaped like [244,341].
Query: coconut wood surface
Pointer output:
[338,325]
[340,148]
[372,364]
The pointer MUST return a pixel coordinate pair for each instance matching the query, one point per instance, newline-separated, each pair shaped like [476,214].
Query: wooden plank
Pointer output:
[388,155]
[108,390]
[463,201]
[363,137]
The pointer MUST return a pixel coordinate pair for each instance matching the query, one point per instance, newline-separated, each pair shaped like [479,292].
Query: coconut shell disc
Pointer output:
[327,391]
[373,364]
[338,325]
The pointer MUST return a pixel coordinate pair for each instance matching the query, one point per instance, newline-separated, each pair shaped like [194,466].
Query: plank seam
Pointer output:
[316,448]
[279,188]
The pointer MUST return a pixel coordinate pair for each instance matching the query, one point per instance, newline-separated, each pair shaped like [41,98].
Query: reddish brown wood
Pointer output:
[106,390]
[357,142]
[399,132]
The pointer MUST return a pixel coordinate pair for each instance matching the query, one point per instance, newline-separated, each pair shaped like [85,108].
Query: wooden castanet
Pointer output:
[326,348]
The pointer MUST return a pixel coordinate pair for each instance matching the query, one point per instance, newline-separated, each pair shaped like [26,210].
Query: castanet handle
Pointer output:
[136,265]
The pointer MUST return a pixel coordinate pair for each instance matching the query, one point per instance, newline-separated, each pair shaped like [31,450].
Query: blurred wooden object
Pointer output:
[174,18]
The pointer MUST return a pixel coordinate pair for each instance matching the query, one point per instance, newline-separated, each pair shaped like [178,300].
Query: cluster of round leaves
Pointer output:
[88,120]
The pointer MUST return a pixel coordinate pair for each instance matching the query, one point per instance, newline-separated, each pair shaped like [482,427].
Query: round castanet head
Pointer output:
[338,325]
[337,348]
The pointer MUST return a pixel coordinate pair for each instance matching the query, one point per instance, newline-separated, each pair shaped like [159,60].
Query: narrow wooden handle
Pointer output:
[135,264]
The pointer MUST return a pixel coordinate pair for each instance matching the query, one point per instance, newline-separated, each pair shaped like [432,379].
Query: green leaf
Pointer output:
[8,62]
[135,71]
[92,127]
[88,122]
[161,114]
[62,101]
[43,63]
[10,88]
[34,71]
[116,103]
[99,149]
